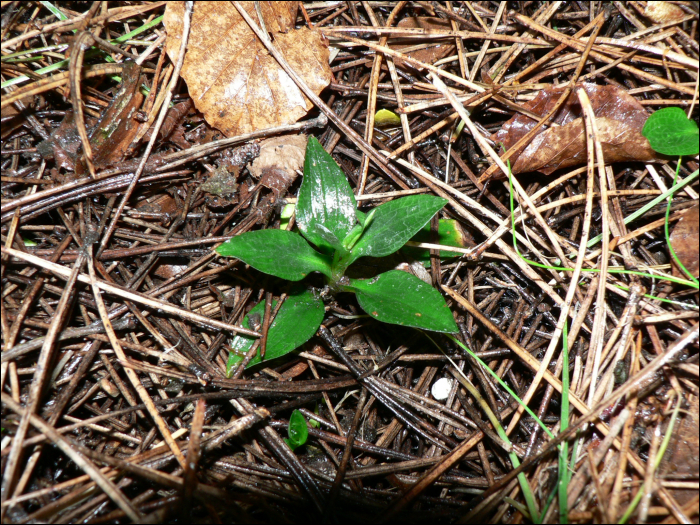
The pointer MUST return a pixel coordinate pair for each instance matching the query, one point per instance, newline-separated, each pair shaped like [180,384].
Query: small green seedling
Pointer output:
[670,132]
[328,218]
[298,432]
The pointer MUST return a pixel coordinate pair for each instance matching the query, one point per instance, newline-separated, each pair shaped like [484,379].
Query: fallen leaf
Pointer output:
[222,182]
[685,241]
[233,81]
[662,12]
[279,160]
[110,137]
[286,152]
[429,54]
[619,118]
[681,458]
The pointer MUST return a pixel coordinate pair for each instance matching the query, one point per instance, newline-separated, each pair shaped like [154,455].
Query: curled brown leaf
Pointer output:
[619,118]
[685,241]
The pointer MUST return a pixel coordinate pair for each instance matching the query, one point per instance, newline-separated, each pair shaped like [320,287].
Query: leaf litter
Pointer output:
[244,477]
[231,77]
[619,117]
[685,241]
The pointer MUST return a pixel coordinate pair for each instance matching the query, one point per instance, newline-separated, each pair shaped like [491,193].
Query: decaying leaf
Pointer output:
[619,118]
[279,160]
[431,53]
[286,152]
[681,458]
[110,137]
[233,81]
[662,12]
[685,241]
[222,182]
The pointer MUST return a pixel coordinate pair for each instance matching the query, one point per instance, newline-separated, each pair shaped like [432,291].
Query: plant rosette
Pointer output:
[333,235]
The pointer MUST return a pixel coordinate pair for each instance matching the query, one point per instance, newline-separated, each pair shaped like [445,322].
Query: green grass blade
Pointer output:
[535,516]
[563,481]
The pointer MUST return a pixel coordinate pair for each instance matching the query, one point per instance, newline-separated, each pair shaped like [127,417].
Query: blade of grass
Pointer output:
[668,238]
[535,516]
[635,215]
[564,475]
[662,450]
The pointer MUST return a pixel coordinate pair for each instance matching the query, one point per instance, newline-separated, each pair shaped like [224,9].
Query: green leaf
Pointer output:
[670,132]
[313,422]
[449,232]
[400,298]
[297,431]
[395,222]
[295,323]
[385,118]
[276,252]
[326,204]
[286,215]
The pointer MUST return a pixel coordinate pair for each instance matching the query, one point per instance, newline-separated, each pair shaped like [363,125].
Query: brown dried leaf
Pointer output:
[232,79]
[685,241]
[286,152]
[662,12]
[110,137]
[117,127]
[681,458]
[430,54]
[279,160]
[619,118]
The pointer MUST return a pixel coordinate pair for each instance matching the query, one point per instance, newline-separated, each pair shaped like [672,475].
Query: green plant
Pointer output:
[670,132]
[297,431]
[328,218]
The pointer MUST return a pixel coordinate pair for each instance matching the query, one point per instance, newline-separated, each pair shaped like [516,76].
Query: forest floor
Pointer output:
[125,164]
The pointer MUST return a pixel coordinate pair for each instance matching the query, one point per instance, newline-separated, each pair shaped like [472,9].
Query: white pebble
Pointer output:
[441,388]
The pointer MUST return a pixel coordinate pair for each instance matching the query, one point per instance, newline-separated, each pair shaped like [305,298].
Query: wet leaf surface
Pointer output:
[619,117]
[400,298]
[685,241]
[295,323]
[232,79]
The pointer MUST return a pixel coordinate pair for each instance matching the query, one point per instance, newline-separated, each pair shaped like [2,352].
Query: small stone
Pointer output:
[441,388]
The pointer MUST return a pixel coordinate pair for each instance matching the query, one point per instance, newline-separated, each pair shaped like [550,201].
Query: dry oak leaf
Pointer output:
[233,81]
[619,118]
[685,241]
